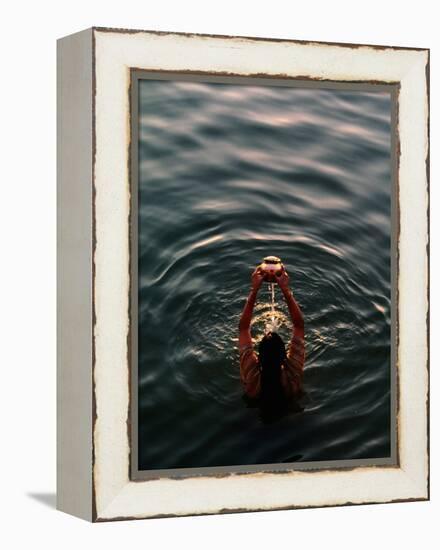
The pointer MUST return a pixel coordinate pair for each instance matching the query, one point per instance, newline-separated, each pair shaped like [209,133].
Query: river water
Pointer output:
[229,174]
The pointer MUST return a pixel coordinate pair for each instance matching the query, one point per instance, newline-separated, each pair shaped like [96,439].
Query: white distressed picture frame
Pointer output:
[93,395]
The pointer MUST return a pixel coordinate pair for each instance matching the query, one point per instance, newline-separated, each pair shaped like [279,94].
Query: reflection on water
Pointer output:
[231,174]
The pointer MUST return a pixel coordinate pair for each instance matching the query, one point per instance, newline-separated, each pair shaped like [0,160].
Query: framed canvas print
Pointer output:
[242,274]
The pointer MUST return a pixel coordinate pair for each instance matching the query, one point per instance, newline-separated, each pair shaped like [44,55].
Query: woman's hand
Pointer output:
[283,280]
[257,279]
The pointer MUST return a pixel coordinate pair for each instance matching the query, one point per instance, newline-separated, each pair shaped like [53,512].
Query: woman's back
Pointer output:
[273,374]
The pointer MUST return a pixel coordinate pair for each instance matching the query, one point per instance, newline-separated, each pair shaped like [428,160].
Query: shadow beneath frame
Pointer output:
[47,499]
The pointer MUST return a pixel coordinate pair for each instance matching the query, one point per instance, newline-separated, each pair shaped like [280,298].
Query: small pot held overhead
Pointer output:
[272,267]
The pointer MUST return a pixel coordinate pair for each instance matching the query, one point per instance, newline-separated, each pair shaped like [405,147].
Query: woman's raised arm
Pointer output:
[296,351]
[244,326]
[294,309]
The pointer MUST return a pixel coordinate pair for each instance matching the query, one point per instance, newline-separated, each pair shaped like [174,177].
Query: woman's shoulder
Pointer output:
[250,371]
[296,349]
[297,340]
[249,359]
[247,351]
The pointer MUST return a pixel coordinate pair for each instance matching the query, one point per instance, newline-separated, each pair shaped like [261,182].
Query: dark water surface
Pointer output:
[227,175]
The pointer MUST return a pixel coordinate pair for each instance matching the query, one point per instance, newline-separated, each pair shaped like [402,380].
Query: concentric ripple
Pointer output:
[228,175]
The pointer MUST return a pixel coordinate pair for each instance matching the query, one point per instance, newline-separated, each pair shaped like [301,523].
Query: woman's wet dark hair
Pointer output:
[271,356]
[271,350]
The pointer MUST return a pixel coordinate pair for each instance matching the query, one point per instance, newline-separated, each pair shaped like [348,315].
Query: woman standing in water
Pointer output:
[273,375]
